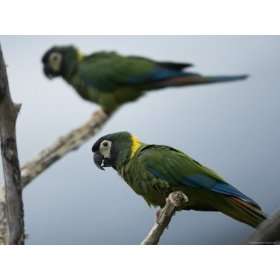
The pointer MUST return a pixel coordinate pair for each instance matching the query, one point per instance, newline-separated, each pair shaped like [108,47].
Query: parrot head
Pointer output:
[60,61]
[115,149]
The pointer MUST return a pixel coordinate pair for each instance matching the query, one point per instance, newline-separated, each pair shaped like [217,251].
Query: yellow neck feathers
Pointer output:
[80,56]
[135,145]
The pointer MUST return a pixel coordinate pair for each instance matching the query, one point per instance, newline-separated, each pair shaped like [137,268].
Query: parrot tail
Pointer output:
[243,211]
[196,79]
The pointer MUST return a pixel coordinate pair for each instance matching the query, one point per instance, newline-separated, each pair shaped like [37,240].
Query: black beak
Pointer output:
[98,160]
[48,72]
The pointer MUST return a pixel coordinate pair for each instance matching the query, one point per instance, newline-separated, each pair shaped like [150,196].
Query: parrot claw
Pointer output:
[176,199]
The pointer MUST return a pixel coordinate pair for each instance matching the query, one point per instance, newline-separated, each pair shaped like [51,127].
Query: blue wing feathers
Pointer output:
[230,190]
[163,74]
[204,181]
[158,74]
[201,180]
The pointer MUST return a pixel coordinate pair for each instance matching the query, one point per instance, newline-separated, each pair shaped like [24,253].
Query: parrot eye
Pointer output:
[55,60]
[105,144]
[105,148]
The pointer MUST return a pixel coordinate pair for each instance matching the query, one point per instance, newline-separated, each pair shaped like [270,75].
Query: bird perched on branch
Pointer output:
[110,80]
[155,171]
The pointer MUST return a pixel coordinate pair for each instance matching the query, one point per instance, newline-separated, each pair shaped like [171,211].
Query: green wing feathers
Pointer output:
[109,71]
[206,189]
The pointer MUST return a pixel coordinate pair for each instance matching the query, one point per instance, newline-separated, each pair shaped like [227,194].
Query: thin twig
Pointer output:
[11,205]
[175,201]
[268,232]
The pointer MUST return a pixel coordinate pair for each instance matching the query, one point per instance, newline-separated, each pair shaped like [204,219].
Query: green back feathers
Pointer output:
[173,165]
[108,71]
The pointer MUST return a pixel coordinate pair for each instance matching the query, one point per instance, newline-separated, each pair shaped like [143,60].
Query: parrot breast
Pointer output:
[152,189]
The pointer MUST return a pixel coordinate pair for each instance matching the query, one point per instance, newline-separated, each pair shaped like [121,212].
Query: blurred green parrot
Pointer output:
[154,171]
[110,79]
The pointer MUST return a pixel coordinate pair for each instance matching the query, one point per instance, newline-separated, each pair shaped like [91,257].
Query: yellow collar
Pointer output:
[135,145]
[80,56]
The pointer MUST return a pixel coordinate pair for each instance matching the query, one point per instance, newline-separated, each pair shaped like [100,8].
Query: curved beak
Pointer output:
[48,72]
[98,160]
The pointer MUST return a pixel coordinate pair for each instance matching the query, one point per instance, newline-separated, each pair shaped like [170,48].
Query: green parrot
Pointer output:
[110,80]
[154,171]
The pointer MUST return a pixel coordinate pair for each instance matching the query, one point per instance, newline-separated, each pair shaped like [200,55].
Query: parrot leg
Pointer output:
[177,200]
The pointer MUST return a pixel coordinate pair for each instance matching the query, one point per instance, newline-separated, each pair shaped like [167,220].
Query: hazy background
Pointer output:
[233,128]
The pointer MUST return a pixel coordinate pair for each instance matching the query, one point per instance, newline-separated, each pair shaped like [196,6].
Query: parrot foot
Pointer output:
[175,201]
[178,199]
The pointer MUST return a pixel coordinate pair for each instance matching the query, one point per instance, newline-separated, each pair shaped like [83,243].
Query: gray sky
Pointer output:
[230,127]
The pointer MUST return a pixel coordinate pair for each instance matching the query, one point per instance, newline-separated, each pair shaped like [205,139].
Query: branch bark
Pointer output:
[71,141]
[268,232]
[174,202]
[11,205]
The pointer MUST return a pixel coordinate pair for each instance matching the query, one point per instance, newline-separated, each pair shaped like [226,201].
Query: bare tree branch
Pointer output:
[65,144]
[71,141]
[174,202]
[11,205]
[268,232]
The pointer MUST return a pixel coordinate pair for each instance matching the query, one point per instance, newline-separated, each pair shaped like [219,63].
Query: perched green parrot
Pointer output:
[154,171]
[110,79]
